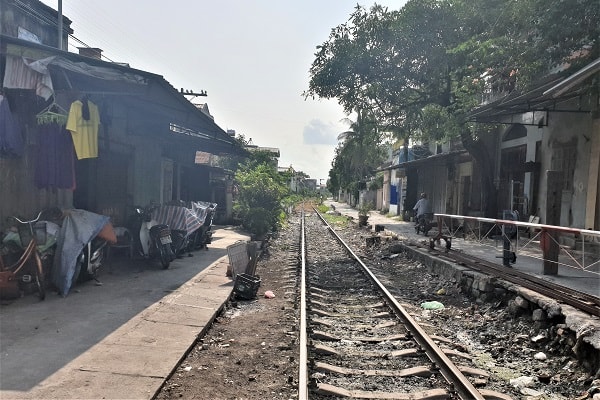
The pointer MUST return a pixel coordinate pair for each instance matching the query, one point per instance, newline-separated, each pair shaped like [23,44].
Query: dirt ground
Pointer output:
[251,350]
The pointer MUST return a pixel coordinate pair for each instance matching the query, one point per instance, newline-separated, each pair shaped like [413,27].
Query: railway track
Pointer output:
[582,301]
[358,341]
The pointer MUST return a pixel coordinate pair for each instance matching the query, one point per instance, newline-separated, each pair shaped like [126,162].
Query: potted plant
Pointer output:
[364,209]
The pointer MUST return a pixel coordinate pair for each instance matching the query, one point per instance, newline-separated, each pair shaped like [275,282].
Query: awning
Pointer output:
[435,159]
[551,95]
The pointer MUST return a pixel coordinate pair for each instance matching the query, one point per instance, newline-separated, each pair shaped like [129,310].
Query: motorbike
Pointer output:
[202,237]
[181,242]
[154,238]
[92,256]
[424,223]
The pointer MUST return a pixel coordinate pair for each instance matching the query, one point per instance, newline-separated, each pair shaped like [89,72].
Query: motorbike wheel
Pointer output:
[165,256]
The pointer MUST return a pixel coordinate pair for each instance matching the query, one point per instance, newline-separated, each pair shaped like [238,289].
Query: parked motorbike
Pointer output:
[154,238]
[93,255]
[424,223]
[202,237]
[181,242]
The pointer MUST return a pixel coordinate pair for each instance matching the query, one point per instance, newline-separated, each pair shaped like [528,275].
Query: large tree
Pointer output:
[421,70]
[358,154]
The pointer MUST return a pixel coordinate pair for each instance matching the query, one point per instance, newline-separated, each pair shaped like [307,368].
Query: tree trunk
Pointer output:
[481,154]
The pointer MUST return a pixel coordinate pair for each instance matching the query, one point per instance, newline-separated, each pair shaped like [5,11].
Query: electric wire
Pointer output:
[27,9]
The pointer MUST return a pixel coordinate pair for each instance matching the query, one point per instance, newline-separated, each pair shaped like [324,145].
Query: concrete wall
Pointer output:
[568,130]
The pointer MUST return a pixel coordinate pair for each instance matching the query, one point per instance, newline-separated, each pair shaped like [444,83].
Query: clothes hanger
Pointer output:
[53,113]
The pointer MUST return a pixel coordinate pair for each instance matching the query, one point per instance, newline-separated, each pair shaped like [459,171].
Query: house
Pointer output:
[145,145]
[553,127]
[444,172]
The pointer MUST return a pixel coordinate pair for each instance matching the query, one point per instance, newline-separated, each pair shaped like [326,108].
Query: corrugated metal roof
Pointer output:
[148,94]
[549,95]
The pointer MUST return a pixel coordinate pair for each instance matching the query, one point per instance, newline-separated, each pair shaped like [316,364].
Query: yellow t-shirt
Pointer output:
[84,132]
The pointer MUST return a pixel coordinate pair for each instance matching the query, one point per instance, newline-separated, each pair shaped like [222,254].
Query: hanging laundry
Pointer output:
[55,161]
[84,131]
[11,141]
[21,73]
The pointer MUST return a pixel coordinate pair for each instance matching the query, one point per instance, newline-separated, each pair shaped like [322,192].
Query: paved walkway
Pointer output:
[120,340]
[587,281]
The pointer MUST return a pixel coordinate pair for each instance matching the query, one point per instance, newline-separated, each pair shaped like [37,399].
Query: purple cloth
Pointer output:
[11,141]
[55,166]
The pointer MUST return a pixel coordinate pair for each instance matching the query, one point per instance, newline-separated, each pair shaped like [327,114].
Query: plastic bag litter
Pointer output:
[432,305]
[269,294]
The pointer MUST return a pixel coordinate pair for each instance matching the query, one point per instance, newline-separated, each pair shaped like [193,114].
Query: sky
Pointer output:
[252,57]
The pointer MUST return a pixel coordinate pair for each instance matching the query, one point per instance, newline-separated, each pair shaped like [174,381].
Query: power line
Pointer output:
[44,19]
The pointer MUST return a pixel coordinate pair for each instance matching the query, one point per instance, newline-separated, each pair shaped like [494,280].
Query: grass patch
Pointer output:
[336,220]
[322,208]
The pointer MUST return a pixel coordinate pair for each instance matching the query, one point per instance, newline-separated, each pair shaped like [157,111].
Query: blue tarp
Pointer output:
[78,228]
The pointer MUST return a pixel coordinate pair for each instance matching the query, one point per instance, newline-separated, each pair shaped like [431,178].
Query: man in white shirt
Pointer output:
[422,207]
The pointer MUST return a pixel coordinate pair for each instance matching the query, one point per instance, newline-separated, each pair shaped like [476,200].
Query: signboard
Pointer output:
[202,158]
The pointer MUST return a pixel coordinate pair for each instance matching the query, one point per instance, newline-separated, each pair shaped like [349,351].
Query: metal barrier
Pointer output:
[485,229]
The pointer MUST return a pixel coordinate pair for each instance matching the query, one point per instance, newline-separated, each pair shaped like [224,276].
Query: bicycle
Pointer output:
[8,273]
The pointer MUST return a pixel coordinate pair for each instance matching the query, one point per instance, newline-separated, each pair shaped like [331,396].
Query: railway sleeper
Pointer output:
[320,335]
[349,306]
[384,325]
[324,313]
[330,351]
[433,394]
[421,370]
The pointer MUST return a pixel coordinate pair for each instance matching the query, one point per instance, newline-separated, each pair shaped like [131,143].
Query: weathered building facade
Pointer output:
[554,127]
[146,140]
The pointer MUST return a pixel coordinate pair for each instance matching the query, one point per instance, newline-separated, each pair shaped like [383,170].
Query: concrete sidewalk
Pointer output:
[120,340]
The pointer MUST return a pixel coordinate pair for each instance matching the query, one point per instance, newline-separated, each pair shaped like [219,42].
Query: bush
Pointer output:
[259,203]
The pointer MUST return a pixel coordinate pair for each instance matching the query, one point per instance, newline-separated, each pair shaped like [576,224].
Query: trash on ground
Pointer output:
[269,294]
[432,305]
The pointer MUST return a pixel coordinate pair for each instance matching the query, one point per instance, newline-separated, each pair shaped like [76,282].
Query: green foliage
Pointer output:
[259,203]
[441,55]
[418,72]
[365,208]
[322,208]
[358,155]
[376,183]
[291,199]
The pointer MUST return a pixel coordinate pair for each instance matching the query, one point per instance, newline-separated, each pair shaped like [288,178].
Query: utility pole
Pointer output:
[192,93]
[60,25]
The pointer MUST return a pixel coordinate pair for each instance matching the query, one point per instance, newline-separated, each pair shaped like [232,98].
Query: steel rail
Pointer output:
[460,384]
[303,368]
[582,301]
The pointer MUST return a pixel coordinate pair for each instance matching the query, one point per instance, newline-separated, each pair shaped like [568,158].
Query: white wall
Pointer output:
[564,128]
